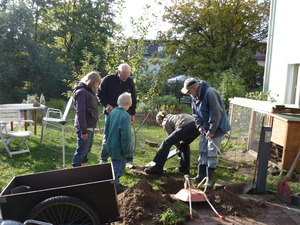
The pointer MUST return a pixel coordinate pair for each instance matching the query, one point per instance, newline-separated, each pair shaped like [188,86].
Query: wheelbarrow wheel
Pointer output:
[64,210]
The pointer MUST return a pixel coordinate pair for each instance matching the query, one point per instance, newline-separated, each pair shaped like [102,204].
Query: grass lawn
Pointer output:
[44,158]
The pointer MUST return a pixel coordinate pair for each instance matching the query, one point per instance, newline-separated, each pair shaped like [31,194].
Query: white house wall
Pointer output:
[283,49]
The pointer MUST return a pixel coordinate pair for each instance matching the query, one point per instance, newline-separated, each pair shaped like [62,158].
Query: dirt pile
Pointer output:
[141,203]
[229,203]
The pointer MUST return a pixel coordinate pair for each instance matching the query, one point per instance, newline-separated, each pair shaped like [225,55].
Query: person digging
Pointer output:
[182,131]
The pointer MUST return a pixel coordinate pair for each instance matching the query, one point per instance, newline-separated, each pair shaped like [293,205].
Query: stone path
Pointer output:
[275,212]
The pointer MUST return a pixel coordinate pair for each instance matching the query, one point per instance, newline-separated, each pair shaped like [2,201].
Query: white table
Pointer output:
[25,108]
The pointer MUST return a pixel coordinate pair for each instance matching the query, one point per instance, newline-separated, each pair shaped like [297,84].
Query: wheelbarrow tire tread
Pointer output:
[64,210]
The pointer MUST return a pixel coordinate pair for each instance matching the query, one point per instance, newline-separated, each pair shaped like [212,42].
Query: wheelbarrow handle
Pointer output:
[187,183]
[215,211]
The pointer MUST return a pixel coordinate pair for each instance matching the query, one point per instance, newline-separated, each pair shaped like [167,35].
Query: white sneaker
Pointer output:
[150,164]
[130,165]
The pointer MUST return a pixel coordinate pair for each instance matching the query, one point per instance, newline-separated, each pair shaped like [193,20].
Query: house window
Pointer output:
[292,94]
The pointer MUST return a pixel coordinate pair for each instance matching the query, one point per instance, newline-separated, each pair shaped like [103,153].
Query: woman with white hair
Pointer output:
[118,137]
[86,104]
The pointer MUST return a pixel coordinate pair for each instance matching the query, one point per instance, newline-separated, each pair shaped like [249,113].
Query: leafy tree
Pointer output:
[46,73]
[132,50]
[77,25]
[14,40]
[232,85]
[41,40]
[211,36]
[26,67]
[89,63]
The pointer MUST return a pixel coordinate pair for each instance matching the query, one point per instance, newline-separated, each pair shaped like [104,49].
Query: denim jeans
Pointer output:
[119,168]
[104,152]
[83,148]
[184,136]
[208,151]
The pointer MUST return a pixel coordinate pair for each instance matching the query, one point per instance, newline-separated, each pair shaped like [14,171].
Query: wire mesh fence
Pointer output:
[246,127]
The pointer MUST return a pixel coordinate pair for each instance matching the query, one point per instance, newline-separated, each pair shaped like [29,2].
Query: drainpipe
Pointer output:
[269,45]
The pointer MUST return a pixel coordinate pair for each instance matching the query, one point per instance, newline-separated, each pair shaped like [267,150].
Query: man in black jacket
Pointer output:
[109,90]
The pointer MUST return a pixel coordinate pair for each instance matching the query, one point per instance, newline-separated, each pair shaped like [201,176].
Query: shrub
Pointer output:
[185,108]
[57,104]
[261,96]
[232,85]
[145,108]
[166,102]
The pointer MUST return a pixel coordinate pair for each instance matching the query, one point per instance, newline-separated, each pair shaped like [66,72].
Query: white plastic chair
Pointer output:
[55,118]
[7,135]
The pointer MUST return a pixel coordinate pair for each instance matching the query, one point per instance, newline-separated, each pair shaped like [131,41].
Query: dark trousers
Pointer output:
[184,137]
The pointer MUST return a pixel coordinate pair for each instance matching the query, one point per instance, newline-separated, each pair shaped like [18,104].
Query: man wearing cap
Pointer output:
[212,122]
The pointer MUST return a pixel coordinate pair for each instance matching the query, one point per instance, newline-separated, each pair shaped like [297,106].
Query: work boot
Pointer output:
[158,170]
[183,170]
[210,173]
[201,173]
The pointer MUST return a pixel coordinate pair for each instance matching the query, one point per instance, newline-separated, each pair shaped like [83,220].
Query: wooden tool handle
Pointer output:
[293,165]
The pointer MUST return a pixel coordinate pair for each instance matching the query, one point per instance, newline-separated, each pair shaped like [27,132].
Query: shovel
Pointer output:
[171,154]
[283,189]
[250,185]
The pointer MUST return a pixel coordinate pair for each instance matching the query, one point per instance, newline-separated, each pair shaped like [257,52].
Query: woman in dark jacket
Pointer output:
[86,103]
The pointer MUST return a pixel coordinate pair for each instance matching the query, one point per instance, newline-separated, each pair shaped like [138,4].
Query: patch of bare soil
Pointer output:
[238,158]
[140,203]
[172,185]
[229,203]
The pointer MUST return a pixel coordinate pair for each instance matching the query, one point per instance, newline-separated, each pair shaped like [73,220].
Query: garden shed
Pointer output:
[247,117]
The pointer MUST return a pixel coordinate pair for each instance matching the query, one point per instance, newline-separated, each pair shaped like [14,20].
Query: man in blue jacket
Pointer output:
[212,122]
